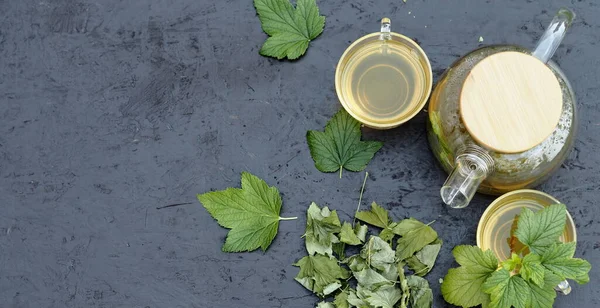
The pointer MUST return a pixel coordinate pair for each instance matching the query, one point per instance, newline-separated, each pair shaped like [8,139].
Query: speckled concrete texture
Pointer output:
[110,109]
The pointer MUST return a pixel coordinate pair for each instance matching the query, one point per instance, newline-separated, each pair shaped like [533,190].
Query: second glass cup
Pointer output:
[383,79]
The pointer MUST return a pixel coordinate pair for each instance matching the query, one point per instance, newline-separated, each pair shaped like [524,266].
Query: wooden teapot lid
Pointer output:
[510,102]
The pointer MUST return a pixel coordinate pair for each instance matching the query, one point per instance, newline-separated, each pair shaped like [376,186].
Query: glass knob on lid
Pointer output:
[510,102]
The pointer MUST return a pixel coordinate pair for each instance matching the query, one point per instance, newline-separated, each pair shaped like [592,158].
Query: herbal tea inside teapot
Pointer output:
[502,117]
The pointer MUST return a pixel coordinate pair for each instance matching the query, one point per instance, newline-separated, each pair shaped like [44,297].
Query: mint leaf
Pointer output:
[421,295]
[321,224]
[252,213]
[543,297]
[377,216]
[506,291]
[414,241]
[348,236]
[339,147]
[541,229]
[463,286]
[532,269]
[320,274]
[384,297]
[290,29]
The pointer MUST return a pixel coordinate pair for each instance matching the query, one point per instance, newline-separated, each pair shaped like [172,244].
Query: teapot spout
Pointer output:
[554,34]
[471,167]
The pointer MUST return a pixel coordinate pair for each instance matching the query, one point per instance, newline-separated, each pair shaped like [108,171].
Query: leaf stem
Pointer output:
[287,218]
[362,190]
[341,169]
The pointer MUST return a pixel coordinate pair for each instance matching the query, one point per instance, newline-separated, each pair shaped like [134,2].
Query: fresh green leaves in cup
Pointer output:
[290,29]
[252,213]
[523,280]
[339,146]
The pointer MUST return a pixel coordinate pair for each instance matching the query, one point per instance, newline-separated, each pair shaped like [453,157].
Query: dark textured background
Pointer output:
[110,109]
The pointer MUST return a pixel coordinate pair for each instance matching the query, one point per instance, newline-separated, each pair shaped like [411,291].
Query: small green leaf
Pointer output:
[377,216]
[558,259]
[421,295]
[378,253]
[361,231]
[340,146]
[475,259]
[321,224]
[355,299]
[252,213]
[414,241]
[319,274]
[384,297]
[290,29]
[371,279]
[543,297]
[347,235]
[406,225]
[541,229]
[513,263]
[325,305]
[532,269]
[341,300]
[506,291]
[422,262]
[462,287]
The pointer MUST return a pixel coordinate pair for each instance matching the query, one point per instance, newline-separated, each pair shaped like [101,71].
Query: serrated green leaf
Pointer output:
[532,269]
[340,145]
[543,297]
[387,234]
[290,29]
[356,263]
[377,216]
[361,231]
[414,241]
[541,229]
[355,299]
[341,300]
[559,251]
[506,290]
[422,262]
[321,226]
[406,225]
[318,273]
[348,236]
[574,268]
[252,213]
[513,263]
[378,253]
[325,305]
[371,279]
[462,287]
[421,295]
[558,259]
[384,297]
[475,259]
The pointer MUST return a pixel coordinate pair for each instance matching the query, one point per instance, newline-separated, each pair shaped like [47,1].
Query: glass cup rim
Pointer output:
[417,109]
[492,207]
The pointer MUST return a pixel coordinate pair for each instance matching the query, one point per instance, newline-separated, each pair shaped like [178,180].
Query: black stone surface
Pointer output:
[110,109]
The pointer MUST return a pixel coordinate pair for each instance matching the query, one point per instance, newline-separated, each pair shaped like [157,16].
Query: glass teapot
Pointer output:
[502,117]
